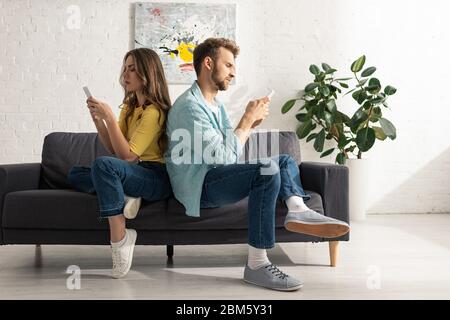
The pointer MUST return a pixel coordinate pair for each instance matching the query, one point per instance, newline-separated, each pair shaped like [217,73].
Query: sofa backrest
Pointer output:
[63,150]
[269,143]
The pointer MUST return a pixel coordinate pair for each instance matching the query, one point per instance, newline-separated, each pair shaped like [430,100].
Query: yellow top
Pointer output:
[143,132]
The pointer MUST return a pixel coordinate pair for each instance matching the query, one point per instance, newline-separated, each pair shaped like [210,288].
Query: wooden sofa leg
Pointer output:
[170,251]
[334,250]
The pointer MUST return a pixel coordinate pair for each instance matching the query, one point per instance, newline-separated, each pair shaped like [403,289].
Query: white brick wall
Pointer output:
[44,64]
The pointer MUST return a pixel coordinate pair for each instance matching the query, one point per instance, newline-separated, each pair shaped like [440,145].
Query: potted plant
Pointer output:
[321,120]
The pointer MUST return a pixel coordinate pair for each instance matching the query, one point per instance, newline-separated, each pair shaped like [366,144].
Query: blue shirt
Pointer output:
[198,141]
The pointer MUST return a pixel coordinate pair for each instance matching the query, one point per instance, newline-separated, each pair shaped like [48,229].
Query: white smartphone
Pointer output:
[270,95]
[87,92]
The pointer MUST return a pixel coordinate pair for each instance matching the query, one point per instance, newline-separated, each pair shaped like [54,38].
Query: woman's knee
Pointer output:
[75,174]
[103,163]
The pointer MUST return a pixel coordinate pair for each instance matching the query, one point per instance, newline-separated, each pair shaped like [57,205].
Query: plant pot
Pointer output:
[358,187]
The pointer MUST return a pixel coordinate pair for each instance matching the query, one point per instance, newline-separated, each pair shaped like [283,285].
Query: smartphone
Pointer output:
[87,92]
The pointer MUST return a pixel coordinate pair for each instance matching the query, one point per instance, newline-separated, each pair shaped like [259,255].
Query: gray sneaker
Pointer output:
[313,223]
[272,278]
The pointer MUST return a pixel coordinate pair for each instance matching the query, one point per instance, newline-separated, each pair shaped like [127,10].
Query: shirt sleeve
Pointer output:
[147,131]
[121,122]
[217,147]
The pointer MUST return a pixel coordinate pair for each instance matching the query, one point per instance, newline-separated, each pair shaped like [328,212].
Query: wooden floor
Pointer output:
[389,257]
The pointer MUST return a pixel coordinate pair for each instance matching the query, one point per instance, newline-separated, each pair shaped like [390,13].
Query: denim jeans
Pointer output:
[112,178]
[263,185]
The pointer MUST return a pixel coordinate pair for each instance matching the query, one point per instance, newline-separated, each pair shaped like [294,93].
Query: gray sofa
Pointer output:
[38,206]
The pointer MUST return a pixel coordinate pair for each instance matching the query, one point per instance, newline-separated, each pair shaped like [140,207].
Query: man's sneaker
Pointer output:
[132,206]
[313,223]
[272,278]
[123,255]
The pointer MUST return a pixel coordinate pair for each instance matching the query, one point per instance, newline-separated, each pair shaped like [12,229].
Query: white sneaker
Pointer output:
[131,208]
[123,255]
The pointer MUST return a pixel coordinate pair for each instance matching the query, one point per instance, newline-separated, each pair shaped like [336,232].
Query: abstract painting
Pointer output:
[173,30]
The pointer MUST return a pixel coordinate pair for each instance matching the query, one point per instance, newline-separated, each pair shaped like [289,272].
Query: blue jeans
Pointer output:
[231,183]
[112,178]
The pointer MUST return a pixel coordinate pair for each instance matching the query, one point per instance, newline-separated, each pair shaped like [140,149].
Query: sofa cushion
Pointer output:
[72,210]
[233,216]
[69,210]
[63,150]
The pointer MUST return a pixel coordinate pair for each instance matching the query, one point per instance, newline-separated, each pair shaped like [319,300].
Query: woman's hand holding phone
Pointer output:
[99,110]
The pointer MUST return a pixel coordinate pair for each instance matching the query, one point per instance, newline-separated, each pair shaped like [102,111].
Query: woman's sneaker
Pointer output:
[131,208]
[122,255]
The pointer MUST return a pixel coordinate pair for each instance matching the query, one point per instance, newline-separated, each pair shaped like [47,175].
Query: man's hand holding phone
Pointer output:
[265,106]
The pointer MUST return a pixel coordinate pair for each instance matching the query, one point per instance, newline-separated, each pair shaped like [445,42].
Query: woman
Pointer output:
[138,140]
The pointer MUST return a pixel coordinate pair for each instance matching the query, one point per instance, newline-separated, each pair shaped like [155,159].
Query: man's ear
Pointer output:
[209,63]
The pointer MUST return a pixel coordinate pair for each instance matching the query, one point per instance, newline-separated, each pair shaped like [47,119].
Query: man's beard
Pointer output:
[221,85]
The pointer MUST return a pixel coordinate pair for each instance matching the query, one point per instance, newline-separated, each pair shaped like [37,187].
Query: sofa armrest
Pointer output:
[17,177]
[331,182]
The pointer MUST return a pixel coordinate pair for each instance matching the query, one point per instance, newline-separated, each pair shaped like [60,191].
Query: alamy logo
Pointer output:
[374,279]
[210,148]
[74,20]
[73,282]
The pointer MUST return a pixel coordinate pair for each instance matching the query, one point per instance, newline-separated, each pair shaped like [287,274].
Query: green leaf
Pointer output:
[350,91]
[334,88]
[288,105]
[343,85]
[359,117]
[365,138]
[342,141]
[320,76]
[304,129]
[388,128]
[368,72]
[311,87]
[374,82]
[302,117]
[324,90]
[362,82]
[340,158]
[326,153]
[329,71]
[359,96]
[367,105]
[314,69]
[379,133]
[358,64]
[325,67]
[320,139]
[331,105]
[343,79]
[311,136]
[329,119]
[341,117]
[390,90]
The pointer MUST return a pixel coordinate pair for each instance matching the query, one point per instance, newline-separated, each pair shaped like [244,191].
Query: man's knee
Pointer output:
[285,160]
[268,172]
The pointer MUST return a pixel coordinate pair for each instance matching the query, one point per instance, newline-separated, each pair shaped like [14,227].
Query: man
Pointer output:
[202,162]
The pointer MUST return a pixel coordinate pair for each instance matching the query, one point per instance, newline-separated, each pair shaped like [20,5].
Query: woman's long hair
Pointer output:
[155,90]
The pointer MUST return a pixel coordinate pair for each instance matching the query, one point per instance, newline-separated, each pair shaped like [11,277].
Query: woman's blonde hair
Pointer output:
[149,69]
